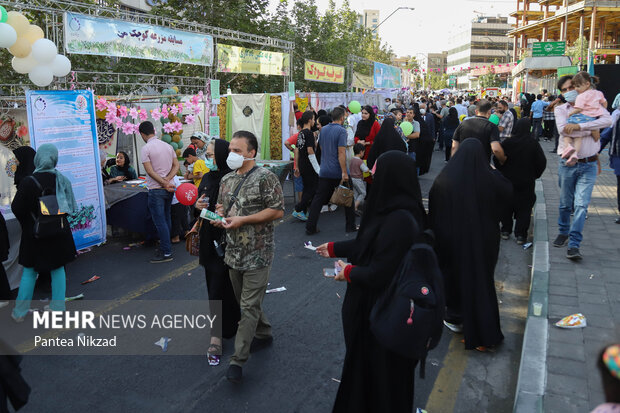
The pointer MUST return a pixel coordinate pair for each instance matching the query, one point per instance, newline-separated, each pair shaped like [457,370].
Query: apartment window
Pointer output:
[374,20]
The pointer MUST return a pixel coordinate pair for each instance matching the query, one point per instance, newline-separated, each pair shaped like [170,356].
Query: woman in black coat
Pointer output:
[374,379]
[5,288]
[465,204]
[49,254]
[448,126]
[216,271]
[525,163]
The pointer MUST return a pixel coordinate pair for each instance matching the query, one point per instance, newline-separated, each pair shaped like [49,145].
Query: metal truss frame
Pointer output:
[351,60]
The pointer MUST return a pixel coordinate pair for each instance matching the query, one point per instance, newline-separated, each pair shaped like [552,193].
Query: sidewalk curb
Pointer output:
[533,368]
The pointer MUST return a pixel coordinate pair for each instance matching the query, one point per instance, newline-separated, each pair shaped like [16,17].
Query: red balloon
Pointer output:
[187,193]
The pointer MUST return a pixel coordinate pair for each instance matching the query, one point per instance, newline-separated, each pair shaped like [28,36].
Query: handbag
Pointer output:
[343,195]
[192,240]
[50,222]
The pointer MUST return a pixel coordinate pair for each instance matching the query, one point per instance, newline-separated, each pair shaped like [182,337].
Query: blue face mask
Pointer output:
[211,164]
[571,96]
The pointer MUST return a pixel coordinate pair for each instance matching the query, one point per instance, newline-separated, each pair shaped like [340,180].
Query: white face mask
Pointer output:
[422,111]
[235,161]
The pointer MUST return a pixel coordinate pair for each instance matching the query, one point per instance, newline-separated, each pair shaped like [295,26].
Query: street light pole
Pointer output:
[383,21]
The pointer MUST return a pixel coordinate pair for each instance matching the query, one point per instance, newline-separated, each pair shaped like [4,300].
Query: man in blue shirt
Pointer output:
[537,115]
[333,143]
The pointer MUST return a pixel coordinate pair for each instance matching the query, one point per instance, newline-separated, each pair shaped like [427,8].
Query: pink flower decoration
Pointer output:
[168,127]
[174,110]
[143,115]
[177,126]
[164,112]
[118,122]
[122,110]
[136,128]
[156,114]
[127,128]
[180,106]
[101,104]
[195,100]
[112,107]
[133,113]
[190,119]
[110,117]
[22,131]
[196,110]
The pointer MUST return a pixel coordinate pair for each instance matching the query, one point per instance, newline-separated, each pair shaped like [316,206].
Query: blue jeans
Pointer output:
[26,289]
[576,185]
[159,201]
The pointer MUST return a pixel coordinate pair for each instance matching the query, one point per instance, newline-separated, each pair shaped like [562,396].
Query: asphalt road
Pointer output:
[299,372]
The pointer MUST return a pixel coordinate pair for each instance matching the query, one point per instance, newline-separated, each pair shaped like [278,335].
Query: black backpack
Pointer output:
[50,221]
[408,318]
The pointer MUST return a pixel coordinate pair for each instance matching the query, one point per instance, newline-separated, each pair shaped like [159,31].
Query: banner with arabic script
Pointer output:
[386,76]
[323,72]
[109,37]
[234,59]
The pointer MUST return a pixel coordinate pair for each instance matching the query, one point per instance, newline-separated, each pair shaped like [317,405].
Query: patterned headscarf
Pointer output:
[611,358]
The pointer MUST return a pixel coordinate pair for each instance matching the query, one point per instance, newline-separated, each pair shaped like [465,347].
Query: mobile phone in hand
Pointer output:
[329,272]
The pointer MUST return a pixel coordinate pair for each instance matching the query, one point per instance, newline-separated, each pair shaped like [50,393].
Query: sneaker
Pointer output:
[505,235]
[567,152]
[312,231]
[260,344]
[573,254]
[17,319]
[300,216]
[560,241]
[3,304]
[617,221]
[325,208]
[234,373]
[159,258]
[521,240]
[333,207]
[455,328]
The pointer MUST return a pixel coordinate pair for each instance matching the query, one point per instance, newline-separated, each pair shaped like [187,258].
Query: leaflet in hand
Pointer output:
[210,215]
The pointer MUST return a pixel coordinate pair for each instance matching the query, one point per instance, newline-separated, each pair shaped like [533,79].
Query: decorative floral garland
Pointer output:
[119,116]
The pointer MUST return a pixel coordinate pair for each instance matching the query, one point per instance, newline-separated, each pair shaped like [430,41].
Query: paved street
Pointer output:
[591,287]
[298,373]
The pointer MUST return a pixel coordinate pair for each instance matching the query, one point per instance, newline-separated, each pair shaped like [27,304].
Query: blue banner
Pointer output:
[386,76]
[66,119]
[108,37]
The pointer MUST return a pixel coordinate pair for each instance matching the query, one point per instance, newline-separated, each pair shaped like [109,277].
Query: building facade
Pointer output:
[480,44]
[370,20]
[433,62]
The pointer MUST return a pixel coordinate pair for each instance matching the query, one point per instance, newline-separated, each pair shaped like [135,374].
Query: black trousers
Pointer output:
[5,288]
[520,208]
[310,180]
[618,191]
[324,192]
[180,220]
[548,128]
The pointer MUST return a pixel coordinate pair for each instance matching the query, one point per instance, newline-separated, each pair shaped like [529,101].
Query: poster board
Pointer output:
[66,119]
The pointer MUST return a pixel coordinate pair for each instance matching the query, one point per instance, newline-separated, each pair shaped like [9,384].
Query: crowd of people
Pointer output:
[484,193]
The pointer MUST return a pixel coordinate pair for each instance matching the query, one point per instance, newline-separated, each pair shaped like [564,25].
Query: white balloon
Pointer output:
[61,66]
[44,50]
[41,75]
[24,65]
[8,35]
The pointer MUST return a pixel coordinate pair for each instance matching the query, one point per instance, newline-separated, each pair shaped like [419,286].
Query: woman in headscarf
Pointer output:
[216,272]
[448,126]
[424,144]
[122,171]
[374,379]
[25,163]
[388,139]
[367,129]
[465,203]
[611,136]
[525,163]
[49,254]
[200,140]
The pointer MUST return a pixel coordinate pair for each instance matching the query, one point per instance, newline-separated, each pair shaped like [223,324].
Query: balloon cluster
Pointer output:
[33,53]
[170,91]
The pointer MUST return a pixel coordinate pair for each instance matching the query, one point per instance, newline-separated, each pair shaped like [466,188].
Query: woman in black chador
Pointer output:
[465,204]
[375,379]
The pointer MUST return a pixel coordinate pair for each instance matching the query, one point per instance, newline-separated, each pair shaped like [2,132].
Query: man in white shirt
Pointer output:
[460,108]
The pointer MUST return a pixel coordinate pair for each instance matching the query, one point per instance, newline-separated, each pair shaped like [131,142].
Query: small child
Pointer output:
[199,168]
[356,170]
[589,105]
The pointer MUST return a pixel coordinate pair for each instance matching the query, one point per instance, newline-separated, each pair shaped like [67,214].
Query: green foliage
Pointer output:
[579,49]
[491,79]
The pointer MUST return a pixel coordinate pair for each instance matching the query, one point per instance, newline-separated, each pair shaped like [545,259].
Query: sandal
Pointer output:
[213,354]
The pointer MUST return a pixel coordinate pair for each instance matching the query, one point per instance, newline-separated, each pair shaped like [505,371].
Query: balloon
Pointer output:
[165,120]
[178,152]
[19,22]
[33,33]
[41,75]
[3,14]
[494,119]
[174,145]
[187,193]
[21,48]
[355,107]
[166,138]
[61,66]
[176,138]
[8,35]
[44,50]
[23,65]
[176,89]
[407,128]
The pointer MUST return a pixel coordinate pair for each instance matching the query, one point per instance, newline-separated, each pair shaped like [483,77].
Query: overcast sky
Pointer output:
[428,27]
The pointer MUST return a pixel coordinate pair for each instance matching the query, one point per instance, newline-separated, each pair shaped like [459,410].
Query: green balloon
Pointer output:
[355,107]
[174,145]
[494,119]
[166,138]
[165,120]
[3,15]
[407,128]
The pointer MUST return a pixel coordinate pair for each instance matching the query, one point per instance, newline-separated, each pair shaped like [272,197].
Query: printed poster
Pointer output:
[66,119]
[234,59]
[291,91]
[386,76]
[108,37]
[323,72]
[215,91]
[214,126]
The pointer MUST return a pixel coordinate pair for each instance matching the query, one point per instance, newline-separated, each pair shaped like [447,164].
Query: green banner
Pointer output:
[567,70]
[548,49]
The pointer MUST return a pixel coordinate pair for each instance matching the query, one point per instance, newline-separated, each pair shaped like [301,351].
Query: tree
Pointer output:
[578,51]
[491,79]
